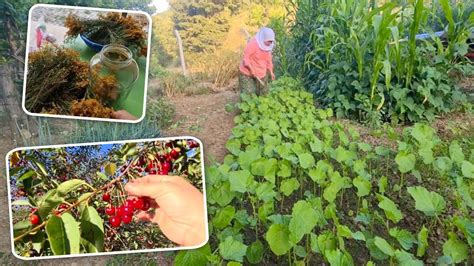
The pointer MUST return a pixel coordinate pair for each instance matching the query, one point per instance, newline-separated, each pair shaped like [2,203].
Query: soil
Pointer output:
[205,117]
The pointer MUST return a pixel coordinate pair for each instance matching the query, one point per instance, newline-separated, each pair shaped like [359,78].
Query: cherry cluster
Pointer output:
[124,213]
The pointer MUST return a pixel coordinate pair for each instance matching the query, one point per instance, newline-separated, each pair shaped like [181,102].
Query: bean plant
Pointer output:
[299,187]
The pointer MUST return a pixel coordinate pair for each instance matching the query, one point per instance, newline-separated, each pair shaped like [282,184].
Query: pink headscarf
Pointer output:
[265,34]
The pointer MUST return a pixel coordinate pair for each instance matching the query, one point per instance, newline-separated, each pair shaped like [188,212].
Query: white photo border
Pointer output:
[7,161]
[83,117]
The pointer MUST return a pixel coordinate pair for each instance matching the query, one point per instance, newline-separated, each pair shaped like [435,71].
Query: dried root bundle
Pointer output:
[56,77]
[57,83]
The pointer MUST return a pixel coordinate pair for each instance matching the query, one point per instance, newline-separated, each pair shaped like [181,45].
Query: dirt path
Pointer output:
[205,117]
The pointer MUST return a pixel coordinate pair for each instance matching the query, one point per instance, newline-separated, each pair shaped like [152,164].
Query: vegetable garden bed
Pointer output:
[298,187]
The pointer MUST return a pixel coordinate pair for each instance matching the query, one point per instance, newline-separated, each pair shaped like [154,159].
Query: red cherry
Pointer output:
[110,211]
[138,203]
[149,166]
[174,153]
[128,203]
[146,205]
[166,166]
[127,218]
[127,210]
[34,219]
[192,144]
[115,221]
[152,172]
[119,211]
[163,172]
[106,197]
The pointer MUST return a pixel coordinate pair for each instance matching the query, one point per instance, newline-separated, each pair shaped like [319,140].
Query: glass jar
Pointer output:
[113,72]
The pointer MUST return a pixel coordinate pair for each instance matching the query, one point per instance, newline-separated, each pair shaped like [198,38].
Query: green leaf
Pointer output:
[455,248]
[110,169]
[443,164]
[92,228]
[455,152]
[48,202]
[196,257]
[427,154]
[423,133]
[72,232]
[232,249]
[467,169]
[338,258]
[344,231]
[384,246]
[422,242]
[467,227]
[102,176]
[285,169]
[406,259]
[405,162]
[316,146]
[306,160]
[64,188]
[233,146]
[57,236]
[375,252]
[265,210]
[266,168]
[223,217]
[42,168]
[249,156]
[265,191]
[430,203]
[404,237]
[288,186]
[21,227]
[21,203]
[390,209]
[278,238]
[84,203]
[221,194]
[363,186]
[382,184]
[337,183]
[303,219]
[255,252]
[240,180]
[26,175]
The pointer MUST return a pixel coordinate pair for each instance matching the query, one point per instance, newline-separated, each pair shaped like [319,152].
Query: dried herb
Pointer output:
[90,108]
[56,77]
[110,28]
[57,83]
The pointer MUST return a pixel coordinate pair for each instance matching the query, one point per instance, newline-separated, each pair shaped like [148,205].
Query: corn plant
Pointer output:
[365,60]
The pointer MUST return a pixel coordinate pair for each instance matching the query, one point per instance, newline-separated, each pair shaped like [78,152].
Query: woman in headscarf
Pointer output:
[257,65]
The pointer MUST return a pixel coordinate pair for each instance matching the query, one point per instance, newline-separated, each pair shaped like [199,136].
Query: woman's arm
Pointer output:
[249,50]
[270,67]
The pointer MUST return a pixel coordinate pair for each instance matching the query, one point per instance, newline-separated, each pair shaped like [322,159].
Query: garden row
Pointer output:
[299,187]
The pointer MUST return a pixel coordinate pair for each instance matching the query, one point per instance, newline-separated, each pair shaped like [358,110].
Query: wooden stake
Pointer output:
[181,53]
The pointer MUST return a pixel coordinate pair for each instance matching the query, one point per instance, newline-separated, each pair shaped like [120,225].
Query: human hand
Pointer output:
[272,75]
[123,115]
[179,207]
